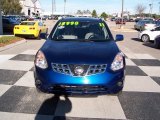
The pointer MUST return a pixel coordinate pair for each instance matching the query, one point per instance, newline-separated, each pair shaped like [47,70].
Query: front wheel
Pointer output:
[145,38]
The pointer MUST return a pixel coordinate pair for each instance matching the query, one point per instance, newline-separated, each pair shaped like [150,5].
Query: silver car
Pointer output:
[145,25]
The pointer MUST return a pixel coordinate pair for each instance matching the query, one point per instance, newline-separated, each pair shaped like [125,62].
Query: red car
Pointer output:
[119,21]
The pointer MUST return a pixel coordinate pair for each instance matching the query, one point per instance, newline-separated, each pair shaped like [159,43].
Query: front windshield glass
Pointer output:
[75,30]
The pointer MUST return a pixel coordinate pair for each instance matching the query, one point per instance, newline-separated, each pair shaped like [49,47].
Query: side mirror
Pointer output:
[153,30]
[119,37]
[43,36]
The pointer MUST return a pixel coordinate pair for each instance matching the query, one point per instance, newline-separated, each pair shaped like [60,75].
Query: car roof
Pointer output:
[30,21]
[81,19]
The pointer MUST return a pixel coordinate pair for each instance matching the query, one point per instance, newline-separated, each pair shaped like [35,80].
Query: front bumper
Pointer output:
[104,83]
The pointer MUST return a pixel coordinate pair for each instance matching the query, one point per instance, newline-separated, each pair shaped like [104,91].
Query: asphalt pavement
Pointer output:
[140,98]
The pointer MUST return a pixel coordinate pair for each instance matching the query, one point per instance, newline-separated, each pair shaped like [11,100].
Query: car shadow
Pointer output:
[149,44]
[50,106]
[136,39]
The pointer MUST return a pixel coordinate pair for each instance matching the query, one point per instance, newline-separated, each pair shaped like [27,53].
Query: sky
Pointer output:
[108,6]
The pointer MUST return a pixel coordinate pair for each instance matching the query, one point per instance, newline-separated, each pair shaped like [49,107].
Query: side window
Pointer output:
[157,29]
[40,24]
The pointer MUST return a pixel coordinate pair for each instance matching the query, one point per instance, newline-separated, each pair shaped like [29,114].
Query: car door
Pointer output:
[138,24]
[155,33]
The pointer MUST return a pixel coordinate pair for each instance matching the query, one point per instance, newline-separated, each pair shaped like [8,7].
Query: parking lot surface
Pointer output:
[140,98]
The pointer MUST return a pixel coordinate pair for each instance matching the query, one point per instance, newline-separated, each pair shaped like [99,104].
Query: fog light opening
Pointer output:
[38,83]
[120,84]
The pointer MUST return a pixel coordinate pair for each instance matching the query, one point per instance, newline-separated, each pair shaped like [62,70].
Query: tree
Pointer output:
[140,8]
[104,15]
[11,7]
[94,13]
[88,11]
[79,12]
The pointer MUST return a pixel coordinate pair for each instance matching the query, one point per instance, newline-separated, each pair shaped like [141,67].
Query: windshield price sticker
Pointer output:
[68,23]
[101,24]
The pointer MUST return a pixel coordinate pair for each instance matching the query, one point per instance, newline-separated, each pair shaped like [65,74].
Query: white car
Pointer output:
[149,35]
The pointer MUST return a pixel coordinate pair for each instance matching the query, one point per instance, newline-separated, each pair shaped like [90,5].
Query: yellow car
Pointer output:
[30,29]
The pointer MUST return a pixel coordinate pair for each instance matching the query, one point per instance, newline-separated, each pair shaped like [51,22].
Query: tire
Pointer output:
[145,38]
[157,43]
[39,36]
[47,31]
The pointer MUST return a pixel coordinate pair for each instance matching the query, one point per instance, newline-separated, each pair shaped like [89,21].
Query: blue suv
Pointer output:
[80,56]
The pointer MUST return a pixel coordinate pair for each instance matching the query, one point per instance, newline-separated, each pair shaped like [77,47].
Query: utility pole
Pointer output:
[64,6]
[150,10]
[52,6]
[1,24]
[159,8]
[122,13]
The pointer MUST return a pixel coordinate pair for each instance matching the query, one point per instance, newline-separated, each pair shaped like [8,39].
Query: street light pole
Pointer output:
[150,5]
[64,6]
[122,13]
[52,7]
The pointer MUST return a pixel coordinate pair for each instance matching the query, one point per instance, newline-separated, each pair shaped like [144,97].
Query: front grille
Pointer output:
[88,69]
[95,69]
[61,68]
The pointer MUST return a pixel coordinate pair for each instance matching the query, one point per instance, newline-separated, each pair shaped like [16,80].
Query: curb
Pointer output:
[12,45]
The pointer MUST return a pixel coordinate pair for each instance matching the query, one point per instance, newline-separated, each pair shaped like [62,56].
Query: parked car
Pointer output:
[157,42]
[24,18]
[8,24]
[50,18]
[80,56]
[113,19]
[44,18]
[150,19]
[145,25]
[138,19]
[30,29]
[120,21]
[13,17]
[149,35]
[131,20]
[157,23]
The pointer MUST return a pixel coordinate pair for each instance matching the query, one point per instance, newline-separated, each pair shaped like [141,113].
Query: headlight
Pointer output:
[40,60]
[118,62]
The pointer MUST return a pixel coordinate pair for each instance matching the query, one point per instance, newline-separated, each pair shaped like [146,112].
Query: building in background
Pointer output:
[31,7]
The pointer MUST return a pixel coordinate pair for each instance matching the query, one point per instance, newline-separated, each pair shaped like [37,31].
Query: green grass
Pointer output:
[5,40]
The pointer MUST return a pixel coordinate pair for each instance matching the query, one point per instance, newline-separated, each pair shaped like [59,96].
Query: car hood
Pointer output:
[69,52]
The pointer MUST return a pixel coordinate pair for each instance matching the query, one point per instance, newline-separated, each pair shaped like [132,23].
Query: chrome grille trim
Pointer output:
[92,69]
[96,69]
[61,68]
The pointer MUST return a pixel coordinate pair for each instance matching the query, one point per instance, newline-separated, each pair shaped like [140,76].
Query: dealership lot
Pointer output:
[139,99]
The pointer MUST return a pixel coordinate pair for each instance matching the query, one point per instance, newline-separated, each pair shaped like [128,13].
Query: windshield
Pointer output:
[95,31]
[27,23]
